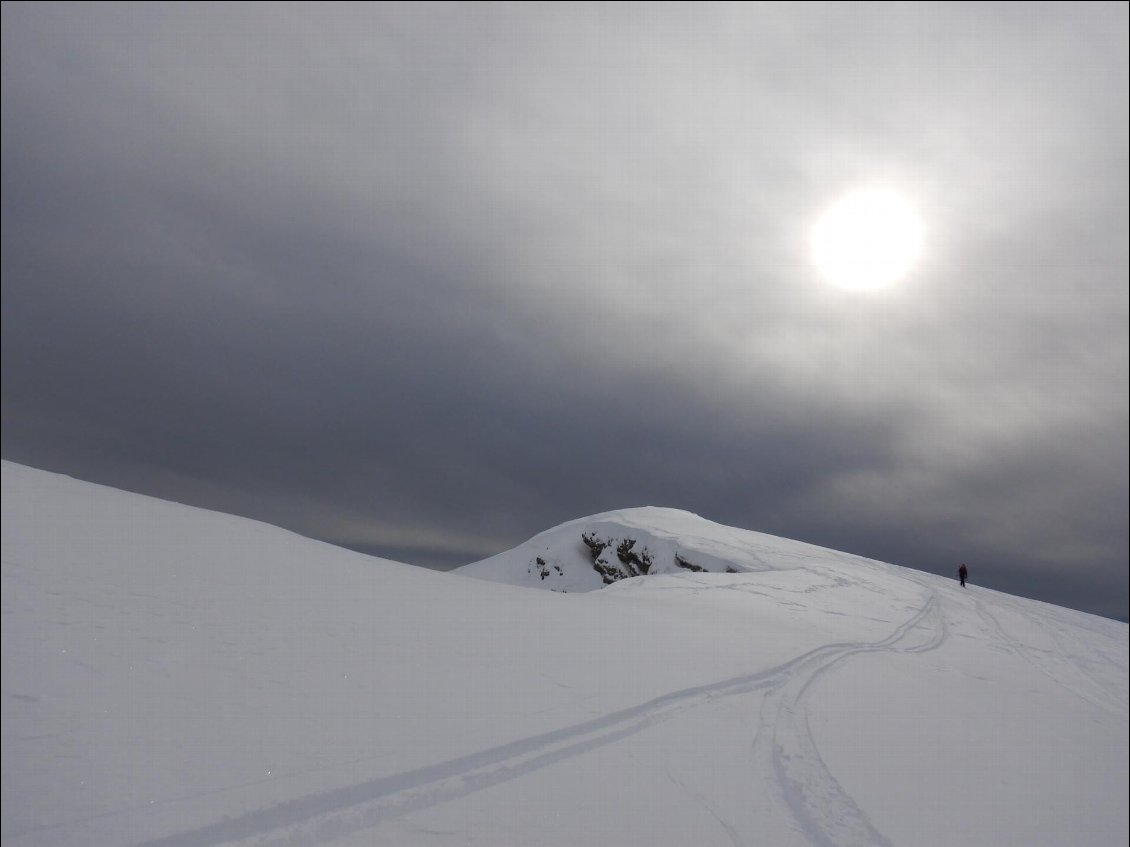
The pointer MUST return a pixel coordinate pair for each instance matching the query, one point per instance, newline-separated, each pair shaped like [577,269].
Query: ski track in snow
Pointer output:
[702,800]
[1099,696]
[783,746]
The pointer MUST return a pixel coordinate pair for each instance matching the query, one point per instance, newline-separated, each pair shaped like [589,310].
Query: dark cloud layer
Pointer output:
[425,280]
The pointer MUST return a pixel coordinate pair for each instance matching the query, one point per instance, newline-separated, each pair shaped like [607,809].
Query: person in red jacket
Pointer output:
[963,572]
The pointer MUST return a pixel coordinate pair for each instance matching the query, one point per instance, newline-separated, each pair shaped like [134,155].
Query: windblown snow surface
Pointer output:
[177,677]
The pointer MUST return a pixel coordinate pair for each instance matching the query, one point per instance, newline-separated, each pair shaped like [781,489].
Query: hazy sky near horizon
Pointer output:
[426,280]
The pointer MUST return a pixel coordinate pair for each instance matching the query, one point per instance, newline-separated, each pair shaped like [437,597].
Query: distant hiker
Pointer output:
[963,572]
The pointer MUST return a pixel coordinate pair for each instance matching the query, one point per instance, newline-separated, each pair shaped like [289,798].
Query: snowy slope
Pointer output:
[178,677]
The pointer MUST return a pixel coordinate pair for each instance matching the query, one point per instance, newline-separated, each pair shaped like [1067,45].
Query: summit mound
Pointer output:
[590,553]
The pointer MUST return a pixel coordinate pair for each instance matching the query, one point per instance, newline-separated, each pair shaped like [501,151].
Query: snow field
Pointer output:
[177,677]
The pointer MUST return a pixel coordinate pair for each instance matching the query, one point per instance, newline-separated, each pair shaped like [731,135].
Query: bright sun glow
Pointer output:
[867,239]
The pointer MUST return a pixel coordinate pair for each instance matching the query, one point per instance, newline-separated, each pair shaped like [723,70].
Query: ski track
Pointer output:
[824,812]
[731,831]
[784,746]
[1104,700]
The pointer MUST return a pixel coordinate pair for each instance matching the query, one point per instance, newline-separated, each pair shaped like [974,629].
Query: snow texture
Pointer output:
[178,677]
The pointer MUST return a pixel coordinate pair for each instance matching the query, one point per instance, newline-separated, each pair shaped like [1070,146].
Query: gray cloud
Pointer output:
[429,280]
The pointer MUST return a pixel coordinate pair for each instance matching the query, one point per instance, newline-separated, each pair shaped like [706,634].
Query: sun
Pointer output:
[866,240]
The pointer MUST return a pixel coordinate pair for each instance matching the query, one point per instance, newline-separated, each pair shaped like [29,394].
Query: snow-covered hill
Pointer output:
[590,553]
[178,677]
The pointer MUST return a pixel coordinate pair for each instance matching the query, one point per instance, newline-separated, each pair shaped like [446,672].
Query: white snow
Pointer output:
[178,677]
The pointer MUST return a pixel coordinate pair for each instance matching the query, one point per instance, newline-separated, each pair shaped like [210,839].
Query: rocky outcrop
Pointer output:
[629,562]
[688,565]
[542,568]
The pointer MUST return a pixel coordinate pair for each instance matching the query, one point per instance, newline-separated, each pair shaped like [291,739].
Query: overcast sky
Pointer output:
[426,280]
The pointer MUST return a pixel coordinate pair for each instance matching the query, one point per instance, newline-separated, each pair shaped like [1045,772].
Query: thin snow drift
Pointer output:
[178,677]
